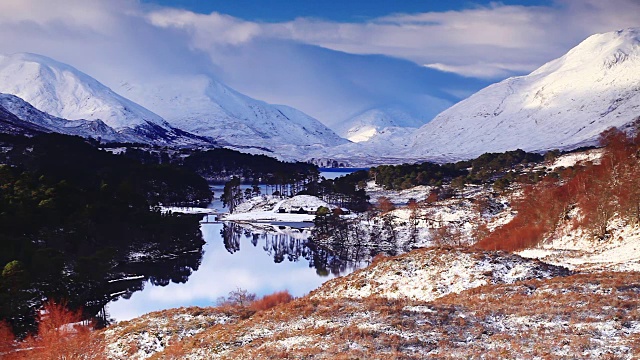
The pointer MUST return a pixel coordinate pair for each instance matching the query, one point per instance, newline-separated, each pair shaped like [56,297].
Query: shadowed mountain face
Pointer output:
[11,124]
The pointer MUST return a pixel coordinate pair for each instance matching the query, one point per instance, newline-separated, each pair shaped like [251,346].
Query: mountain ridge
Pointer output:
[207,107]
[564,104]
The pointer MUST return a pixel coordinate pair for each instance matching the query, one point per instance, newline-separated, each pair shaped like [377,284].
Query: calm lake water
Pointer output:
[261,262]
[332,173]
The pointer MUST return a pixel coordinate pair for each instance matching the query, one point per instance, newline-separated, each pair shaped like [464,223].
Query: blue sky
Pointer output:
[334,10]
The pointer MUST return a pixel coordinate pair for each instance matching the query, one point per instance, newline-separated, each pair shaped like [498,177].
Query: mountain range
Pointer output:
[199,112]
[564,104]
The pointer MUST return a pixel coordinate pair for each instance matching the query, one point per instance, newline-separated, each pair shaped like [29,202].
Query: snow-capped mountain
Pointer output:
[564,104]
[371,123]
[65,92]
[204,106]
[30,117]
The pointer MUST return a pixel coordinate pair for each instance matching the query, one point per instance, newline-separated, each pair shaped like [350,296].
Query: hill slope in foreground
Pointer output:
[508,306]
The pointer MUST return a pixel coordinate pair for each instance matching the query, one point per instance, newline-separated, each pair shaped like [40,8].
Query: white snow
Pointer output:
[188,210]
[261,209]
[397,197]
[564,104]
[580,251]
[204,106]
[572,159]
[65,92]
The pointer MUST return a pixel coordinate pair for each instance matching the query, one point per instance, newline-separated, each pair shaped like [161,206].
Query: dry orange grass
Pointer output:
[578,316]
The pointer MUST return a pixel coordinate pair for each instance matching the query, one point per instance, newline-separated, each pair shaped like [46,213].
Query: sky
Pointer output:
[332,60]
[347,10]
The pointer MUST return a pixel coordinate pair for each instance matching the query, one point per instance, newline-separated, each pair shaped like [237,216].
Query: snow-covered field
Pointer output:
[152,333]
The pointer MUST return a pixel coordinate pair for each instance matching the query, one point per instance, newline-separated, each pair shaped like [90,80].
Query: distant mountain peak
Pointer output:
[373,122]
[63,91]
[564,104]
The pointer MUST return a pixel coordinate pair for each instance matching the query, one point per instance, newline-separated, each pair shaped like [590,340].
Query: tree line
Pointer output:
[487,168]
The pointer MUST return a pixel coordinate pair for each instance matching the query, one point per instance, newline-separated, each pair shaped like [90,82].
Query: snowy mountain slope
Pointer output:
[564,104]
[203,106]
[44,122]
[65,92]
[371,123]
[11,124]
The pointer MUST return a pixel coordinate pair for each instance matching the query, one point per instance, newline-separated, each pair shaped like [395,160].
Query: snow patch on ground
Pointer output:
[572,159]
[580,251]
[397,197]
[188,210]
[428,274]
[266,208]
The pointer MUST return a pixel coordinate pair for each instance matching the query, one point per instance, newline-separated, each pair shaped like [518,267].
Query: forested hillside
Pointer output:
[71,214]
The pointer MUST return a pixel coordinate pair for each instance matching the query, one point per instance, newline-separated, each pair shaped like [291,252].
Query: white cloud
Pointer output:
[487,41]
[207,30]
[484,70]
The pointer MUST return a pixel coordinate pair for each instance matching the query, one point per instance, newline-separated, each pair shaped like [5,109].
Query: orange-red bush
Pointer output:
[269,301]
[539,211]
[385,205]
[598,191]
[60,336]
[7,340]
